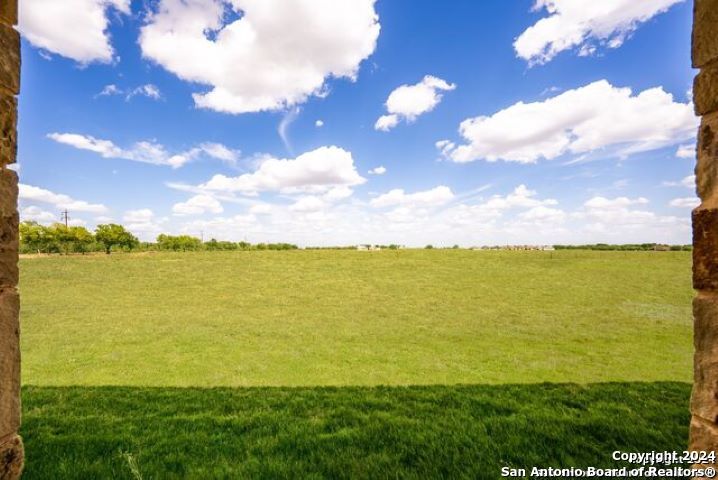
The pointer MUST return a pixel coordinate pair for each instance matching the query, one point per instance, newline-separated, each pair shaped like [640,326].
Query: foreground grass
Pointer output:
[348,432]
[356,318]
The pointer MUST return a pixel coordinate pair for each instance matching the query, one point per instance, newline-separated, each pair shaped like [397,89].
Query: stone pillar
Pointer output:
[11,449]
[704,401]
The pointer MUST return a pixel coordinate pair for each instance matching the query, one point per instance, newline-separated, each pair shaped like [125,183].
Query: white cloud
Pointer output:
[197,205]
[37,214]
[689,202]
[596,118]
[145,151]
[686,151]
[75,29]
[319,123]
[220,152]
[143,223]
[138,216]
[109,90]
[583,25]
[437,196]
[380,170]
[386,122]
[308,204]
[316,171]
[149,90]
[290,47]
[407,102]
[687,182]
[32,193]
[543,214]
[606,213]
[261,209]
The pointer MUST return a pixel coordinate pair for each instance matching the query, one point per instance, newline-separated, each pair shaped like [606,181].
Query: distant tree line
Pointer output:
[626,247]
[58,238]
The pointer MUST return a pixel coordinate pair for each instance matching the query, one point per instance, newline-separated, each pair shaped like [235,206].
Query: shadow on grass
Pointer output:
[347,432]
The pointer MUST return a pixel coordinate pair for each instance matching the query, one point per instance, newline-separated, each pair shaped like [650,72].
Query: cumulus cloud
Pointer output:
[688,202]
[596,118]
[380,170]
[75,29]
[197,205]
[37,214]
[146,151]
[31,193]
[316,171]
[437,196]
[582,25]
[606,213]
[686,151]
[407,102]
[687,182]
[319,123]
[257,55]
[143,223]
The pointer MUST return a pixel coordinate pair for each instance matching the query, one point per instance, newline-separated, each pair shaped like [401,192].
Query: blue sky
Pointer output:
[537,121]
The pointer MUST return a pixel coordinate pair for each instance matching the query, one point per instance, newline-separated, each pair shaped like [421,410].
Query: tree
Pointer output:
[111,235]
[81,239]
[176,243]
[34,237]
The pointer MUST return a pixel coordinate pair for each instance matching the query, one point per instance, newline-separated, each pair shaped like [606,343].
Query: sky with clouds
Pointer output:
[325,122]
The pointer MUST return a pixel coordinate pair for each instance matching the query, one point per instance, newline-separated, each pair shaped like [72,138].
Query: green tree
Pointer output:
[81,238]
[111,235]
[34,237]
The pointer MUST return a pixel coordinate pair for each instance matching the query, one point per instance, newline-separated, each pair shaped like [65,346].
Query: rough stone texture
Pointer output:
[9,362]
[705,359]
[11,447]
[704,399]
[8,12]
[705,249]
[707,161]
[9,59]
[8,228]
[705,32]
[11,458]
[705,89]
[8,129]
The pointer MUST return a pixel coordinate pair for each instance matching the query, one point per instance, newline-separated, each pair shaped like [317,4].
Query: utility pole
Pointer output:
[64,216]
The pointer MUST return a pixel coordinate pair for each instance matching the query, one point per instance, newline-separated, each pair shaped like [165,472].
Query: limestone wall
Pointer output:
[11,450]
[704,401]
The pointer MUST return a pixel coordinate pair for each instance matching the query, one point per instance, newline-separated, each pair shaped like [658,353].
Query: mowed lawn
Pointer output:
[346,364]
[308,318]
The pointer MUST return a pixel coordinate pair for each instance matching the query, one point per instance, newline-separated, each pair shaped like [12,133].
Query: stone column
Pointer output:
[704,401]
[11,449]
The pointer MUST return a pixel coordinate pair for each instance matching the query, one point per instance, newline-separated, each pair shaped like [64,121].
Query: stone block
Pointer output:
[12,458]
[8,129]
[8,12]
[9,362]
[705,90]
[9,221]
[703,436]
[705,32]
[9,59]
[704,399]
[707,161]
[705,249]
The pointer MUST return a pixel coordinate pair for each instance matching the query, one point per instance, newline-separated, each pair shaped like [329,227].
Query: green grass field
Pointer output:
[325,364]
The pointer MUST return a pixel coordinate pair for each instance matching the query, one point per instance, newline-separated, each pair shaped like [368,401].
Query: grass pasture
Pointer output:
[331,364]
